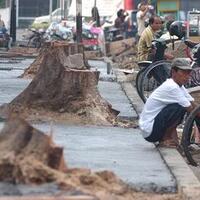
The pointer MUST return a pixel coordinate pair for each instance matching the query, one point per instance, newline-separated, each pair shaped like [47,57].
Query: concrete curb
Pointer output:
[130,92]
[188,184]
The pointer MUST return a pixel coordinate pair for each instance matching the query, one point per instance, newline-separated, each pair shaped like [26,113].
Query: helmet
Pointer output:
[178,29]
[158,49]
[159,43]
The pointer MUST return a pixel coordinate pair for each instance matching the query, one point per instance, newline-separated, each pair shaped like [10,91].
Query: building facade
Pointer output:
[27,10]
[176,8]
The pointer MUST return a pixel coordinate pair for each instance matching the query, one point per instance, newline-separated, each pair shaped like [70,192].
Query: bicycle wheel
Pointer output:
[154,76]
[138,80]
[188,139]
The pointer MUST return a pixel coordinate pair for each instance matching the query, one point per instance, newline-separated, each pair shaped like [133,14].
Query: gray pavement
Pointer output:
[121,150]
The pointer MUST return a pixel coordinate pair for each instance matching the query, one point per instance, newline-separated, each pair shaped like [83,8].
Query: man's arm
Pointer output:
[192,107]
[143,13]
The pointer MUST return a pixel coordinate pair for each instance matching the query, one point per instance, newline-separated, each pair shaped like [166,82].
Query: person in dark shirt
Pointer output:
[120,22]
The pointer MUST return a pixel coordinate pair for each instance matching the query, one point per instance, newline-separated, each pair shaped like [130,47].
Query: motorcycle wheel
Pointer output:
[34,42]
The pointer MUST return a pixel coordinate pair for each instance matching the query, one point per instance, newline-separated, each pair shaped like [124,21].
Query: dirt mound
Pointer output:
[23,51]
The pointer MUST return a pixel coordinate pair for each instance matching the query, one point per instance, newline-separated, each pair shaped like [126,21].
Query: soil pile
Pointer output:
[23,51]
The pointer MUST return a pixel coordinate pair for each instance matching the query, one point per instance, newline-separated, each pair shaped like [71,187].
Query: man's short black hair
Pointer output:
[152,18]
[120,13]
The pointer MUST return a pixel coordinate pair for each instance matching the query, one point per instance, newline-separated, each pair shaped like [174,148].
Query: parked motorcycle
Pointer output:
[112,34]
[89,38]
[37,38]
[58,31]
[195,57]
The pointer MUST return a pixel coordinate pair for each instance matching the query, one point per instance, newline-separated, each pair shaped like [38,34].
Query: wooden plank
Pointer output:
[80,197]
[195,38]
[90,55]
[117,47]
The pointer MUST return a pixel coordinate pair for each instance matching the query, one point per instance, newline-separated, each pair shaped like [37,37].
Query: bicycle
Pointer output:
[158,48]
[154,76]
[188,139]
[158,72]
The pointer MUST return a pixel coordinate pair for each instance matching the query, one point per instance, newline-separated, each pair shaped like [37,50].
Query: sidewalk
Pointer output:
[137,161]
[188,184]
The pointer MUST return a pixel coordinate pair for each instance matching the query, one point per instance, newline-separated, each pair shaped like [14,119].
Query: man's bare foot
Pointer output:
[168,144]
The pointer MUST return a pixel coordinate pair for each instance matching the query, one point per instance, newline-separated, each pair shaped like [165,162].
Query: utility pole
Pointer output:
[13,20]
[79,20]
[62,8]
[50,9]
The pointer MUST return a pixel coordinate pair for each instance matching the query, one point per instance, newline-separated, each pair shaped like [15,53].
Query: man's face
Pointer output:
[157,24]
[143,7]
[182,76]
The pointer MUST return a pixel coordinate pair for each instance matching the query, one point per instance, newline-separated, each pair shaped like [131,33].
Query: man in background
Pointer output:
[141,16]
[145,41]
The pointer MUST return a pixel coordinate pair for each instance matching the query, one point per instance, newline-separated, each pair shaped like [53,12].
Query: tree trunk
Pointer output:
[62,87]
[25,151]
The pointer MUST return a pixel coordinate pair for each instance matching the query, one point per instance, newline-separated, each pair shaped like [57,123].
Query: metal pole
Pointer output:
[50,9]
[13,21]
[79,20]
[62,8]
[66,8]
[17,13]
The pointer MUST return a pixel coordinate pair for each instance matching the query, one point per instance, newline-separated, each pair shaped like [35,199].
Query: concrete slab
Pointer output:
[113,93]
[188,184]
[120,150]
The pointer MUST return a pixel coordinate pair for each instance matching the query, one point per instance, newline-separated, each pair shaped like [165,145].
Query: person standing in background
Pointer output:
[147,36]
[141,16]
[2,25]
[122,22]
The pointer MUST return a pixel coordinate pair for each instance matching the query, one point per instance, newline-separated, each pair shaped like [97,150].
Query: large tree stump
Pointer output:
[62,91]
[27,155]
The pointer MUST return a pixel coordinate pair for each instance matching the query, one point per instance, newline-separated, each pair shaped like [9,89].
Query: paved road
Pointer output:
[123,151]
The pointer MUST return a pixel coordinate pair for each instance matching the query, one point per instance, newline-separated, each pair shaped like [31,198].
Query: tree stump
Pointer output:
[27,155]
[62,90]
[67,49]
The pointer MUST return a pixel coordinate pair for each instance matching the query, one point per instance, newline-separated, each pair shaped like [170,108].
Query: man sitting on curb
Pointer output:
[167,105]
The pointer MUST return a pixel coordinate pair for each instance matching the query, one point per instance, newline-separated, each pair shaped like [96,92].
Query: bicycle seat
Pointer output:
[190,43]
[144,63]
